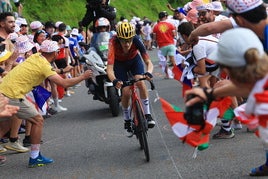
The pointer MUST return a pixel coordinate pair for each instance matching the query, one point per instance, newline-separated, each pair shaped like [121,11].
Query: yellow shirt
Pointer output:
[24,77]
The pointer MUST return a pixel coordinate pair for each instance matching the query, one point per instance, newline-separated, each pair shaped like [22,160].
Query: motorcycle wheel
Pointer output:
[113,101]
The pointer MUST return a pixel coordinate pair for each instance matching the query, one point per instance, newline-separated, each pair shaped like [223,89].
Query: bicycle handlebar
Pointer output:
[132,81]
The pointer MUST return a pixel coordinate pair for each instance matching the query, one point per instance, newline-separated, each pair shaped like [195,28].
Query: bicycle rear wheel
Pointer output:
[142,131]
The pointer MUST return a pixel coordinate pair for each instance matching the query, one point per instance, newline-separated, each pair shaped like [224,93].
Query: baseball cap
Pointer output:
[57,24]
[49,46]
[21,21]
[75,32]
[233,45]
[204,7]
[195,3]
[192,16]
[180,10]
[68,27]
[240,6]
[23,44]
[216,6]
[162,14]
[36,25]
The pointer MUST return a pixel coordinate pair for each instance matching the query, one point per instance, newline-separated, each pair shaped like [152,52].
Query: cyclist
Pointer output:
[125,53]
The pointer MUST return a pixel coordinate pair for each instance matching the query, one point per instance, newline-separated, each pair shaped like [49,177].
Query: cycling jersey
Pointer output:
[116,53]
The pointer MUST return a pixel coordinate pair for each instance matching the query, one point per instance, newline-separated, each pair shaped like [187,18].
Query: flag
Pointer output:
[41,95]
[250,121]
[186,83]
[193,135]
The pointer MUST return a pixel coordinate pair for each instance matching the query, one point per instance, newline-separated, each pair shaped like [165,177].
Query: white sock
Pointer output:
[146,106]
[35,149]
[126,113]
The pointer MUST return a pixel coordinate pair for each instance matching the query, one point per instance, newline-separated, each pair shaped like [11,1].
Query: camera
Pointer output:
[194,114]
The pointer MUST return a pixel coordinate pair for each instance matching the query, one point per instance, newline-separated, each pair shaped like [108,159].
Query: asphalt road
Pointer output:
[87,142]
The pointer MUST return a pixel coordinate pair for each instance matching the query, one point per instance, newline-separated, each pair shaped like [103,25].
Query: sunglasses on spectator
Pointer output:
[126,40]
[23,25]
[40,31]
[202,13]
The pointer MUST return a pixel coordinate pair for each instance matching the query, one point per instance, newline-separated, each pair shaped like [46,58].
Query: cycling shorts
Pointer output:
[135,66]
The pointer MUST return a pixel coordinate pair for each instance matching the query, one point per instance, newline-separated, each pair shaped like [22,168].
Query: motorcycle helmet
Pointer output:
[102,22]
[125,30]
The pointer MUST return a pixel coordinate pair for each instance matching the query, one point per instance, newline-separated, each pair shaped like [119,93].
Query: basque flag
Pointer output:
[191,134]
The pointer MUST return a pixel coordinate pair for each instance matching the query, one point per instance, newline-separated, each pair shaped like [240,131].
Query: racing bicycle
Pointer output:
[139,122]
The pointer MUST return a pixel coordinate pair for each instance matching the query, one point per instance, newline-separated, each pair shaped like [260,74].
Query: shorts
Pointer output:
[75,59]
[135,66]
[61,63]
[27,109]
[169,50]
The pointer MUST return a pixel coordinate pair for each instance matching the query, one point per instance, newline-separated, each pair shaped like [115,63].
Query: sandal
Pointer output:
[260,171]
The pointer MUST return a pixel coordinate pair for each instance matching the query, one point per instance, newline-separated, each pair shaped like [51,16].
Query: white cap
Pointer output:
[203,7]
[75,32]
[36,25]
[23,44]
[49,46]
[57,24]
[240,6]
[21,21]
[233,45]
[216,6]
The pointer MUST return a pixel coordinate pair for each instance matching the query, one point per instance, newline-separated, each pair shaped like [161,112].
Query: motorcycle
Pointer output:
[100,85]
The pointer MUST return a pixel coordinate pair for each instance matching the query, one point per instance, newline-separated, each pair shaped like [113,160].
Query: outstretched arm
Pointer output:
[209,28]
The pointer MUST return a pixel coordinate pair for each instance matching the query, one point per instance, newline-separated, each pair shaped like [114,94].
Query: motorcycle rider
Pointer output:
[102,26]
[125,53]
[99,43]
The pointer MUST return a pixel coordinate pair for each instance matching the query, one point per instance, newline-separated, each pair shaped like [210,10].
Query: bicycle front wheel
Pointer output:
[142,131]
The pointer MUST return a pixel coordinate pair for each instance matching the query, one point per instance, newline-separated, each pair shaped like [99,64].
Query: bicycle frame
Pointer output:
[135,98]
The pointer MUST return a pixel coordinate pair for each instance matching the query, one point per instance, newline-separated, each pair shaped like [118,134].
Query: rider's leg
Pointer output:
[125,101]
[145,103]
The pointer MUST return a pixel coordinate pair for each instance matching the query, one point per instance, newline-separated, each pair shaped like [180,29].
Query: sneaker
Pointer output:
[52,111]
[2,149]
[236,125]
[128,127]
[60,108]
[16,146]
[39,161]
[223,134]
[150,121]
[68,94]
[2,160]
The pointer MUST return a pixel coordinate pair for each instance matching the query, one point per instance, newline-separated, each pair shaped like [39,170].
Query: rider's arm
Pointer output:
[110,72]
